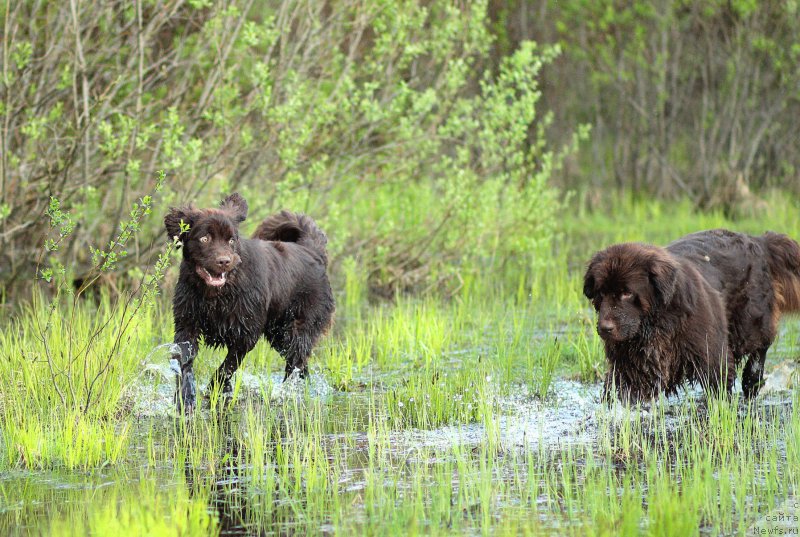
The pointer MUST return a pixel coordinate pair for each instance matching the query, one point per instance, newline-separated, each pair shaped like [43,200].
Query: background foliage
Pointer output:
[691,99]
[429,138]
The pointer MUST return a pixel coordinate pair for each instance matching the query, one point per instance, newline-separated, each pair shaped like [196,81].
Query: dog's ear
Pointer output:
[664,277]
[235,206]
[589,279]
[589,289]
[174,218]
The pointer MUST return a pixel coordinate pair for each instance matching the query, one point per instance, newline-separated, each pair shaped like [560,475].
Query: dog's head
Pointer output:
[211,241]
[627,283]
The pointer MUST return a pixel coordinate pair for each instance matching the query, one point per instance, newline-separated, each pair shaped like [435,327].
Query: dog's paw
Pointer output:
[186,394]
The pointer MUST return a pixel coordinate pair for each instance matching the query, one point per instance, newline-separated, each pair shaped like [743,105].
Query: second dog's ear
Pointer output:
[589,279]
[588,285]
[235,206]
[173,219]
[664,278]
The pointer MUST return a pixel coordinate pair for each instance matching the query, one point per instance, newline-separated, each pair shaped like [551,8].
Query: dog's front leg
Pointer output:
[753,374]
[611,386]
[187,350]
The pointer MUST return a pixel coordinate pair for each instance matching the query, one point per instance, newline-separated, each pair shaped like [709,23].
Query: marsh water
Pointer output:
[565,428]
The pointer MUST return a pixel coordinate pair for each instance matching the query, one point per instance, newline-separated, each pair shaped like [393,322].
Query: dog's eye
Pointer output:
[232,241]
[204,239]
[626,295]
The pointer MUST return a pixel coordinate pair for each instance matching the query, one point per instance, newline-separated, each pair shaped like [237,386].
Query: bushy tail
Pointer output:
[784,266]
[287,226]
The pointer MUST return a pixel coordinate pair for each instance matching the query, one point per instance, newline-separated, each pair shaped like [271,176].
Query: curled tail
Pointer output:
[287,226]
[784,266]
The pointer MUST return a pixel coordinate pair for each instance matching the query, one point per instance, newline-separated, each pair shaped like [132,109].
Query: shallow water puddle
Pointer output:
[566,418]
[572,417]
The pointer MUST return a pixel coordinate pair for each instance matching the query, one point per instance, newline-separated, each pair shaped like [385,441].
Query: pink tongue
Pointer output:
[214,281]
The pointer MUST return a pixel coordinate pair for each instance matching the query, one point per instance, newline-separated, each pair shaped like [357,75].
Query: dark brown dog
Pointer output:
[660,321]
[692,310]
[233,290]
[759,279]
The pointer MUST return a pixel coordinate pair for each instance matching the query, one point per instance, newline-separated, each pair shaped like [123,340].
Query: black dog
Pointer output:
[232,290]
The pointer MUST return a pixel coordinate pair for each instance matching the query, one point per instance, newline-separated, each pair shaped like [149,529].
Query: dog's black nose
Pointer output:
[224,262]
[605,328]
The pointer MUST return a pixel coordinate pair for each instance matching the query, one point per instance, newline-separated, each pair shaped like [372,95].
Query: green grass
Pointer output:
[437,419]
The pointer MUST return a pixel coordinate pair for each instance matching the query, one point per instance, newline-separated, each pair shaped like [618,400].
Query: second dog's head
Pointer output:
[626,284]
[211,243]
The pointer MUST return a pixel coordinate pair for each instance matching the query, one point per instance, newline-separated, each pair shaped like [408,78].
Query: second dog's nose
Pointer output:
[605,328]
[224,262]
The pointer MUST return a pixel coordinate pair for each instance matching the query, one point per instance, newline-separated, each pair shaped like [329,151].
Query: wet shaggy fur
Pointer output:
[660,321]
[759,279]
[691,311]
[233,290]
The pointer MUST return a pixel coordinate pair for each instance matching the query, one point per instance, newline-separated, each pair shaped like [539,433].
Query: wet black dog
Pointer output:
[233,290]
[693,310]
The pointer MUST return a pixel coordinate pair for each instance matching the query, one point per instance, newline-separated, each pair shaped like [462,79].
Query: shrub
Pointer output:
[380,119]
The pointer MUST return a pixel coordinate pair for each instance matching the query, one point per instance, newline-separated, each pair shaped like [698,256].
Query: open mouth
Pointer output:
[213,281]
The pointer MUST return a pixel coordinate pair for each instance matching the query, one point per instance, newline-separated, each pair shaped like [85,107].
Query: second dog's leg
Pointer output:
[753,375]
